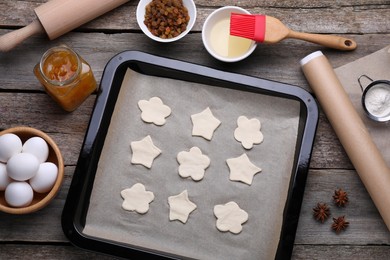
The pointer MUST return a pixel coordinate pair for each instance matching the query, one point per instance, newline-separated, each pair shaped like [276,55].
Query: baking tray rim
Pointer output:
[75,207]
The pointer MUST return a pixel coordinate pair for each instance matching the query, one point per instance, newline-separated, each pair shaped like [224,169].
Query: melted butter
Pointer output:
[226,45]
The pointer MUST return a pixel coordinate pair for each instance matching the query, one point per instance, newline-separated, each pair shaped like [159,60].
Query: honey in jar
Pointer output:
[66,77]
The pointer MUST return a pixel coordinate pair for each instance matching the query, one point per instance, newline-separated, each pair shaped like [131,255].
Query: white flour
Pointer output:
[378,100]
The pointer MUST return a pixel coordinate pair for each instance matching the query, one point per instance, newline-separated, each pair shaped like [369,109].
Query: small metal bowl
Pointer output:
[40,200]
[192,12]
[381,114]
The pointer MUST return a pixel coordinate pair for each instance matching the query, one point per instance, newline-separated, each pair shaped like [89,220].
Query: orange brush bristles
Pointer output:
[248,26]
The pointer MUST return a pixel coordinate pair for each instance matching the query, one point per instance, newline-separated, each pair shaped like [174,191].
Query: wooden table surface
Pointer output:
[24,102]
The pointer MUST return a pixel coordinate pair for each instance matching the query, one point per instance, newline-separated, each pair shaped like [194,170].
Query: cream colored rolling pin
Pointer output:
[351,131]
[58,17]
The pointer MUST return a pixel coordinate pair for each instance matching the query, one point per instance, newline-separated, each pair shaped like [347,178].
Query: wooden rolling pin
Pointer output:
[58,17]
[350,129]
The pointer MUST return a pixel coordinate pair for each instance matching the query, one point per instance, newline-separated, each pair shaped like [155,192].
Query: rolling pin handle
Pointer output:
[10,40]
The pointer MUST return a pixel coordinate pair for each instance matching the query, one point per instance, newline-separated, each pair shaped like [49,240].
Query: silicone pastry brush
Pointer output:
[57,17]
[267,29]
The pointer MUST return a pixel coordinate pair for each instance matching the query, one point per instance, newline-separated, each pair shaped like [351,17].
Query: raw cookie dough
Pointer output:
[248,132]
[154,111]
[144,152]
[193,163]
[242,169]
[137,198]
[180,207]
[230,217]
[204,124]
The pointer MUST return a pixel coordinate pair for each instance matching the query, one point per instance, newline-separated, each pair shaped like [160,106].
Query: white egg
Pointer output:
[45,178]
[19,194]
[38,147]
[22,166]
[4,178]
[10,144]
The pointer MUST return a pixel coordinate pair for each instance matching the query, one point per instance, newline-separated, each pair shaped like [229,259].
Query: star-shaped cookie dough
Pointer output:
[144,152]
[137,198]
[193,163]
[180,207]
[242,169]
[248,132]
[230,217]
[154,111]
[204,124]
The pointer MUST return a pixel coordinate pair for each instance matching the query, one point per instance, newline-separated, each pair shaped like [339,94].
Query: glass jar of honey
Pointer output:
[66,77]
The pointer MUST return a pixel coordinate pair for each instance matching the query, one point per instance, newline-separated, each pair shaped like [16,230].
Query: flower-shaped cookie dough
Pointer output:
[204,124]
[144,152]
[242,169]
[248,132]
[180,207]
[230,217]
[137,198]
[154,111]
[193,163]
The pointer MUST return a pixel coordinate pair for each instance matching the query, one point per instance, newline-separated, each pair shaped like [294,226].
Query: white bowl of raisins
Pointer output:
[166,20]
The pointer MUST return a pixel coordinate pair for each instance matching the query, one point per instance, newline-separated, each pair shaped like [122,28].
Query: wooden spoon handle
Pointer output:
[10,40]
[331,41]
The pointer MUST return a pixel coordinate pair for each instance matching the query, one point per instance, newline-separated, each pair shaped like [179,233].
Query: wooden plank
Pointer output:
[56,251]
[41,226]
[364,16]
[278,62]
[327,151]
[68,129]
[11,251]
[59,252]
[366,226]
[39,111]
[344,252]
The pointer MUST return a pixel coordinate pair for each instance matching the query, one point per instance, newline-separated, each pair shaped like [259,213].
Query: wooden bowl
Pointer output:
[40,200]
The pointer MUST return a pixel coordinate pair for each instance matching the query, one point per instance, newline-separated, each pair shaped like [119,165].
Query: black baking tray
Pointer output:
[77,202]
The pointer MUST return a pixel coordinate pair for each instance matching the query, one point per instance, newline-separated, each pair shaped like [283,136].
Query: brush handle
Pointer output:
[10,40]
[331,41]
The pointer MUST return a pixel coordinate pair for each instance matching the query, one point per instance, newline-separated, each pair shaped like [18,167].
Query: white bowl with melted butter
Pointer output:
[217,39]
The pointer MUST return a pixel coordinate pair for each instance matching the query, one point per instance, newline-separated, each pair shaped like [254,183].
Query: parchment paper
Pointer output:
[199,238]
[376,66]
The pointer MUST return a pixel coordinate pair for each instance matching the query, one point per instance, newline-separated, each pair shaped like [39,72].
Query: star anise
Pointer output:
[340,197]
[321,212]
[339,224]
